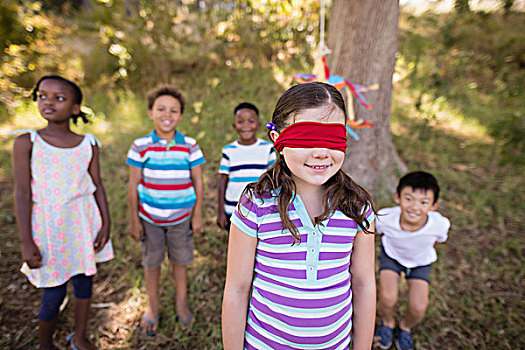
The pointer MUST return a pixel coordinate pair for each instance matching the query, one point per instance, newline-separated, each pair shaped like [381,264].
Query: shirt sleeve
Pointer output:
[271,157]
[92,140]
[245,216]
[135,159]
[444,231]
[196,157]
[381,218]
[224,166]
[370,216]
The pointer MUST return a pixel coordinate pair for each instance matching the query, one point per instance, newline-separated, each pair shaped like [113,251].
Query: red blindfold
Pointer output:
[312,135]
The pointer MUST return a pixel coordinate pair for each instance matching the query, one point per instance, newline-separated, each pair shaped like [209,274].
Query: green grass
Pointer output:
[476,297]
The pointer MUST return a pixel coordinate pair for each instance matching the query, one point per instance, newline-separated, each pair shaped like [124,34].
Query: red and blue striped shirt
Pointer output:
[166,192]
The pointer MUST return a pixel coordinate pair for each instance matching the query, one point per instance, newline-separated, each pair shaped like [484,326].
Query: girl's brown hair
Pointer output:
[341,192]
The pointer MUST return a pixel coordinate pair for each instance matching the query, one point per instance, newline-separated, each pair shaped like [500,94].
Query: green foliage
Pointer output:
[507,5]
[34,44]
[135,45]
[461,6]
[11,29]
[457,112]
[476,62]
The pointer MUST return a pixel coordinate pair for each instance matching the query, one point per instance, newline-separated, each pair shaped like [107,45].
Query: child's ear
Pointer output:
[435,206]
[396,197]
[274,135]
[150,114]
[76,109]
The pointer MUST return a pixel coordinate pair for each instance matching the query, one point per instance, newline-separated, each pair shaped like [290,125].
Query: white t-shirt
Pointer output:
[243,164]
[411,249]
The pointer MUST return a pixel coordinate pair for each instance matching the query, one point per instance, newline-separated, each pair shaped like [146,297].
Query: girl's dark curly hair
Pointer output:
[341,192]
[76,92]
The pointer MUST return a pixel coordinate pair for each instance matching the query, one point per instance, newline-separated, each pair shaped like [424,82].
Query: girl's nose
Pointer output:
[320,152]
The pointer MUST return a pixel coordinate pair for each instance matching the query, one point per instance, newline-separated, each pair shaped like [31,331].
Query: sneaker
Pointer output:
[404,340]
[384,334]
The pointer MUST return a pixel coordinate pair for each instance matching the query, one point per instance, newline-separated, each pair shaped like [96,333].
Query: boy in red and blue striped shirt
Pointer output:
[165,198]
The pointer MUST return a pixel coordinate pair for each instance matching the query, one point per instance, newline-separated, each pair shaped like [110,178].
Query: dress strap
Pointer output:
[92,139]
[31,132]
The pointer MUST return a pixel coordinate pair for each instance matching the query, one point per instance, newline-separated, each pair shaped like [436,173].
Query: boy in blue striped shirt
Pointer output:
[165,198]
[242,162]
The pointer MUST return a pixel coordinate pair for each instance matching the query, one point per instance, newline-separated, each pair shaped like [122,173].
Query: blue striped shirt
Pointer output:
[243,164]
[165,190]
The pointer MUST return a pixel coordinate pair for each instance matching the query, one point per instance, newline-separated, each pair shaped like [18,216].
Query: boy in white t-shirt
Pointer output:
[243,161]
[410,232]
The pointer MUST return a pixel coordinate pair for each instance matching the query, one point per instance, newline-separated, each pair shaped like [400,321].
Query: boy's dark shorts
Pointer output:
[420,272]
[177,238]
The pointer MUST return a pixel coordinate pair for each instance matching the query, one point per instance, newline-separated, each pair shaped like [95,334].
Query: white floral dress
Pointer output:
[65,217]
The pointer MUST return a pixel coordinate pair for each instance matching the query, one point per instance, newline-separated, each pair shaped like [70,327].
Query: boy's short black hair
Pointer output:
[419,180]
[247,105]
[163,90]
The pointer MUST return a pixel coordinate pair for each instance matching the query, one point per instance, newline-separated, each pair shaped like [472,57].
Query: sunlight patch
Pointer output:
[281,77]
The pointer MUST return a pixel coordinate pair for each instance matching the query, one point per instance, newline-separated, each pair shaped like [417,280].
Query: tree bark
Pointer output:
[362,35]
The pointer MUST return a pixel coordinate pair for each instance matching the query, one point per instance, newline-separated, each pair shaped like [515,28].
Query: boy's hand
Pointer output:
[102,239]
[31,255]
[135,230]
[222,220]
[197,224]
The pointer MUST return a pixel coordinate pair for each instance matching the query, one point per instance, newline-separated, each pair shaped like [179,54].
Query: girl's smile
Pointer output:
[314,166]
[317,168]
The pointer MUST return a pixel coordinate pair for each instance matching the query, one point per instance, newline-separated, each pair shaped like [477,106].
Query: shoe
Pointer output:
[385,335]
[71,342]
[187,322]
[404,340]
[153,322]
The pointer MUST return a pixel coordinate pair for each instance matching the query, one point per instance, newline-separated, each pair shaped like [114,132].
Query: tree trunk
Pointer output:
[363,38]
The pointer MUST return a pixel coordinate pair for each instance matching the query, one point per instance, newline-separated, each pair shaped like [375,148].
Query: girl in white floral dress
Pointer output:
[61,208]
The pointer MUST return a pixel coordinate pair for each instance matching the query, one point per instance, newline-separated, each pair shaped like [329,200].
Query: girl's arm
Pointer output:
[363,290]
[197,224]
[135,228]
[221,214]
[100,198]
[22,167]
[239,273]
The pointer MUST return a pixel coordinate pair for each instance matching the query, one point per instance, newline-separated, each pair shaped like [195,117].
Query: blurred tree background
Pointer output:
[458,110]
[133,45]
[115,46]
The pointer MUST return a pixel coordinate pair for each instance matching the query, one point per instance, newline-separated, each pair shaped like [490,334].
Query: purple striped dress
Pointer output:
[301,296]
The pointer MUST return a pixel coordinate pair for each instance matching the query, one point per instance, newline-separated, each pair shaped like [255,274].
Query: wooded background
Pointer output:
[450,101]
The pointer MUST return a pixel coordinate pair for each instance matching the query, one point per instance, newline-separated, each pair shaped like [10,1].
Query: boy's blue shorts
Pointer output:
[420,272]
